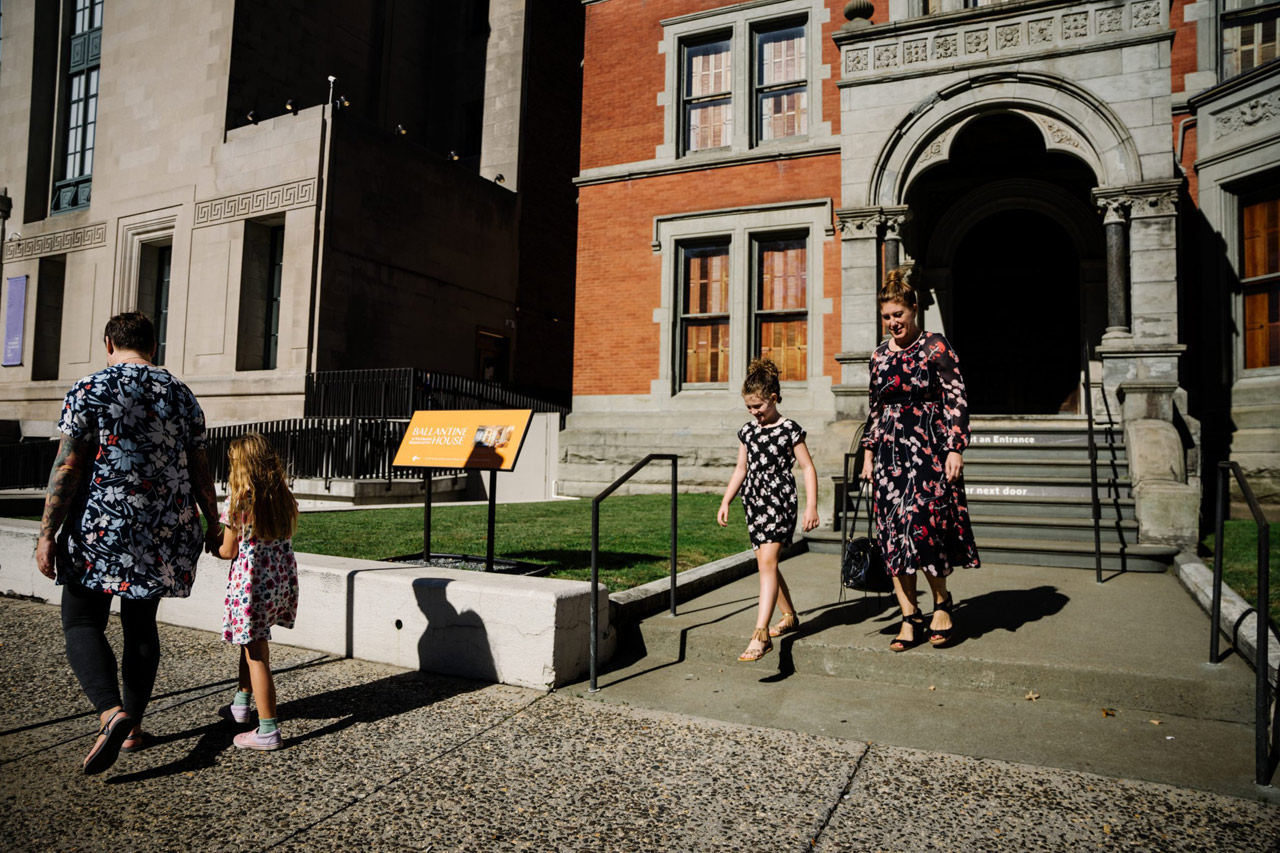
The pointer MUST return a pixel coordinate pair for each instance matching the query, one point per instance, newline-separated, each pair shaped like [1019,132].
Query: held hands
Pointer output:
[953,466]
[212,537]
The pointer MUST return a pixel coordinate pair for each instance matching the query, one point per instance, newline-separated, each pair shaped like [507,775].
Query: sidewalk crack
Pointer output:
[844,792]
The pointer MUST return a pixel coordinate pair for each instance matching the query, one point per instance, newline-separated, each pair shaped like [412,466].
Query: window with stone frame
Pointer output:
[704,313]
[707,84]
[779,304]
[1249,36]
[80,104]
[780,81]
[1261,281]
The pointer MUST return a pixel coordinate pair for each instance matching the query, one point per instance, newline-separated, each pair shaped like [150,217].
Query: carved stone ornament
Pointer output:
[946,47]
[936,147]
[975,41]
[1008,36]
[1059,134]
[886,55]
[858,14]
[916,50]
[57,243]
[1075,25]
[857,60]
[1110,20]
[860,223]
[1114,209]
[1040,31]
[1158,204]
[255,202]
[1247,115]
[1146,14]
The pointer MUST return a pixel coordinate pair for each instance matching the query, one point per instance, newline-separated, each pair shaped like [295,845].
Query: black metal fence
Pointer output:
[399,392]
[26,465]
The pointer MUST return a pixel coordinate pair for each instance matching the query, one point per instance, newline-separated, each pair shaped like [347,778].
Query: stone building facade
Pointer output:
[1031,162]
[287,187]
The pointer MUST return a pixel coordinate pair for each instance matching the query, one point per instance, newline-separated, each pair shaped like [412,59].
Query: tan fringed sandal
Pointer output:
[788,623]
[752,655]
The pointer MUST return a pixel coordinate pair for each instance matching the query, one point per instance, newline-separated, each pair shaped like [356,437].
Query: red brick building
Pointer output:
[750,169]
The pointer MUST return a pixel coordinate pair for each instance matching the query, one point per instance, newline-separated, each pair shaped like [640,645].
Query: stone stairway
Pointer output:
[1028,488]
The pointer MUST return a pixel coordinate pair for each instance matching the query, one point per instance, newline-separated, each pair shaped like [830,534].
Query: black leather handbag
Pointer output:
[861,564]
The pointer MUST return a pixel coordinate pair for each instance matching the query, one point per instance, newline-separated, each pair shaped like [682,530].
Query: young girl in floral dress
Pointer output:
[771,446]
[262,588]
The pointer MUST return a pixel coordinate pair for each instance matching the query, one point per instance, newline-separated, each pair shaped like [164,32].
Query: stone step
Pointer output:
[1132,642]
[1050,528]
[1059,507]
[1043,487]
[1040,467]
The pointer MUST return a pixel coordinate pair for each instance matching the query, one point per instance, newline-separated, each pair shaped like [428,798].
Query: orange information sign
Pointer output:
[487,439]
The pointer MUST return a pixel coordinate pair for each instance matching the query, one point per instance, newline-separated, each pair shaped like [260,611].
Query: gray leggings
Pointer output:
[84,622]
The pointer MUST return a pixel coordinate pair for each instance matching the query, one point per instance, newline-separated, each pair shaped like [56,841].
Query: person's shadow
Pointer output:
[455,642]
[817,620]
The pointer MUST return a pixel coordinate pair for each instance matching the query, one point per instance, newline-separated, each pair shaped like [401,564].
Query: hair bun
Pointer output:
[897,288]
[763,367]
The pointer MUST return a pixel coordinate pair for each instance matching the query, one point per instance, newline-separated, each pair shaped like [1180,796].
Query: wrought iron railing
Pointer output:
[1264,763]
[399,392]
[26,465]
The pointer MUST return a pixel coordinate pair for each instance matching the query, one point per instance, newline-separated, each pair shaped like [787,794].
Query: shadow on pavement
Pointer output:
[820,619]
[1005,610]
[357,703]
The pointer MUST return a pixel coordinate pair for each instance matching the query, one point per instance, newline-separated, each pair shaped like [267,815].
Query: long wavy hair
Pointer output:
[258,489]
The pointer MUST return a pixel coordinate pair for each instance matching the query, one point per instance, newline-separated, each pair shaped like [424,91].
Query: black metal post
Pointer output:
[1215,611]
[1096,506]
[1261,664]
[595,580]
[493,500]
[675,478]
[426,518]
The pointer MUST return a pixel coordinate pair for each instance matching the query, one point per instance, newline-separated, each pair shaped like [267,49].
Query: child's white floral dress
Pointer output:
[262,588]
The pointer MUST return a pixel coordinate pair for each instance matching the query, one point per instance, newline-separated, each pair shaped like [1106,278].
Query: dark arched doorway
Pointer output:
[1008,245]
[1016,315]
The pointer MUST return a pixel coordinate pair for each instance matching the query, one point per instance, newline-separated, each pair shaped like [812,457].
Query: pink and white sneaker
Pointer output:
[254,740]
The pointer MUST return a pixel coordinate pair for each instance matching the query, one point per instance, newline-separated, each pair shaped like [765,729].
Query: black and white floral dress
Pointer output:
[919,414]
[769,491]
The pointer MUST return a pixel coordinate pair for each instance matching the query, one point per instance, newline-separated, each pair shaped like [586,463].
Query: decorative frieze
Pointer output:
[1008,36]
[57,243]
[1247,115]
[255,202]
[860,222]
[1068,27]
[1058,134]
[936,147]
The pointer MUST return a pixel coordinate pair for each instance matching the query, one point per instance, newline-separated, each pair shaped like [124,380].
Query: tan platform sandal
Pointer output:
[788,623]
[752,655]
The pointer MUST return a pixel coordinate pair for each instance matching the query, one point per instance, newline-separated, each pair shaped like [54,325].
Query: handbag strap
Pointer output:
[864,487]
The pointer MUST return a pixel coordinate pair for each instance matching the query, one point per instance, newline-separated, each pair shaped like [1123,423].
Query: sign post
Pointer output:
[483,439]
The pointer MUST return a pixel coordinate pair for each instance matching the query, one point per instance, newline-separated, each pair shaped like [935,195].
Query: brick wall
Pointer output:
[1183,56]
[620,278]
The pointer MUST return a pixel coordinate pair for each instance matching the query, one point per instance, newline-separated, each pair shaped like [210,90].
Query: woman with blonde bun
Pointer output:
[917,430]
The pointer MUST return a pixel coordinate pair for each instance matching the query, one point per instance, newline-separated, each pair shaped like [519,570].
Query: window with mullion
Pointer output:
[1261,281]
[779,304]
[704,313]
[275,272]
[781,82]
[707,82]
[164,264]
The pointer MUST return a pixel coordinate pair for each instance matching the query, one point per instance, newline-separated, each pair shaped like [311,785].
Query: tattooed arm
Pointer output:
[70,470]
[206,497]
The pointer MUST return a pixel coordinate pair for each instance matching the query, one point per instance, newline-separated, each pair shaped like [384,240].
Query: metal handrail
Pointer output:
[595,549]
[1096,504]
[1261,662]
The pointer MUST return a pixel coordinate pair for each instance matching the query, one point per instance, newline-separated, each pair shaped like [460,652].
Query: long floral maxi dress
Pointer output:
[769,491]
[918,414]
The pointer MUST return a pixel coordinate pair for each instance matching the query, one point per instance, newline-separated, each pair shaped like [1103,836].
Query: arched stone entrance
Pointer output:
[1011,253]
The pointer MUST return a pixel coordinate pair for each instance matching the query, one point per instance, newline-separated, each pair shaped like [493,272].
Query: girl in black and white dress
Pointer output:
[770,447]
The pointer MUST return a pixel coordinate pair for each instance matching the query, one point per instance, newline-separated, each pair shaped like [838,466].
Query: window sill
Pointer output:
[712,159]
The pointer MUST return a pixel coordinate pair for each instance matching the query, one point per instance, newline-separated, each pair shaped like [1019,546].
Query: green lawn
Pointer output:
[634,535]
[1240,562]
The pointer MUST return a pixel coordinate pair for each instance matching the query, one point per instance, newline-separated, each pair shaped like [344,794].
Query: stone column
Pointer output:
[1115,210]
[860,279]
[893,220]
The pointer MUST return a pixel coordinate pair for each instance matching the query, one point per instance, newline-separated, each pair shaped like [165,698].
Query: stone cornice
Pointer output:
[57,242]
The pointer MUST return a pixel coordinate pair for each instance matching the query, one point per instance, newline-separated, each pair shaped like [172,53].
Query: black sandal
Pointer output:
[916,621]
[103,755]
[941,636]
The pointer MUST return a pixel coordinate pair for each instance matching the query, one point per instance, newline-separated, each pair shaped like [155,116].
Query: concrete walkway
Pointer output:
[385,759]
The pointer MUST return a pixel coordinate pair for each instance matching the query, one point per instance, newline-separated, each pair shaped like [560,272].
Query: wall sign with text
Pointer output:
[485,439]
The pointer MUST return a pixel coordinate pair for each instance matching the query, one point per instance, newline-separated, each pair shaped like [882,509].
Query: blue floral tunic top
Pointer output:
[135,531]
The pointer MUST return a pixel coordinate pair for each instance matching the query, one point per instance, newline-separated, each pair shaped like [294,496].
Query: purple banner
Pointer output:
[15,316]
